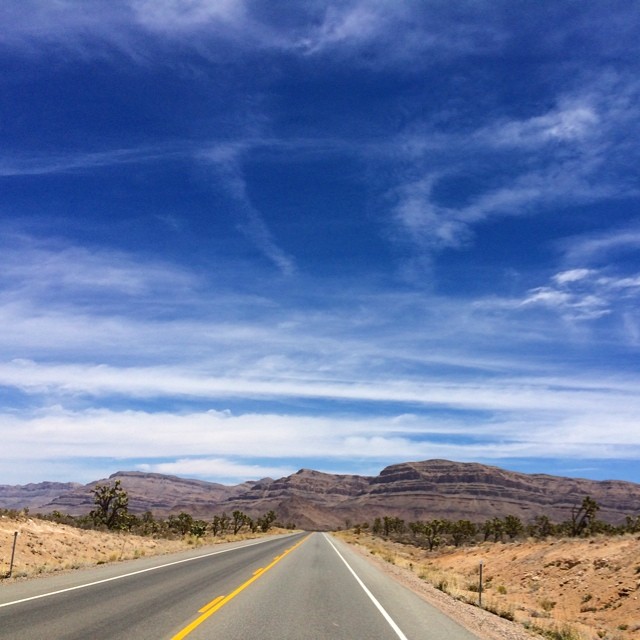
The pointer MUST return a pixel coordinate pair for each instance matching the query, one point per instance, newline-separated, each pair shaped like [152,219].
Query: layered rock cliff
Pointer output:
[316,500]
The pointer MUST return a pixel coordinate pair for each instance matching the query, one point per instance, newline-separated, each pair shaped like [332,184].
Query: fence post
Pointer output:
[480,587]
[13,553]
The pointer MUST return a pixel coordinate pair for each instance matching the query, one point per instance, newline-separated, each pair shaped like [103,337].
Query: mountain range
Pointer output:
[315,500]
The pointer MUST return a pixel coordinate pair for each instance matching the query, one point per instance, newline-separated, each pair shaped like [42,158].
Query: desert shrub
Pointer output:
[564,633]
[547,604]
[507,614]
[442,585]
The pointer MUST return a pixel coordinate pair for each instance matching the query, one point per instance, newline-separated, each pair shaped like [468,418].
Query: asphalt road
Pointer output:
[301,587]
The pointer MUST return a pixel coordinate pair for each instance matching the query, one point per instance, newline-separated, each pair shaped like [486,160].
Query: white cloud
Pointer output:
[217,445]
[576,306]
[20,165]
[91,28]
[432,225]
[578,294]
[220,468]
[227,161]
[37,269]
[350,24]
[546,296]
[553,183]
[178,15]
[568,123]
[343,355]
[225,157]
[70,350]
[399,33]
[623,283]
[602,246]
[426,223]
[498,395]
[576,152]
[393,31]
[69,327]
[573,275]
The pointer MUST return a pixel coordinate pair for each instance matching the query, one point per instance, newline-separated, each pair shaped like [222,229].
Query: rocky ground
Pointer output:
[568,589]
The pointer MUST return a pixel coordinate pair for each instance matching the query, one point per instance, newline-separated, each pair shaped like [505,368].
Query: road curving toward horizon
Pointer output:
[299,586]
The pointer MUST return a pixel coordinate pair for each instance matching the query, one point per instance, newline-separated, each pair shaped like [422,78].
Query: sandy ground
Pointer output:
[575,589]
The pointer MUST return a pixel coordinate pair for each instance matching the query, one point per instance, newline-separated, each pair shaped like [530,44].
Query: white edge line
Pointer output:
[127,575]
[378,606]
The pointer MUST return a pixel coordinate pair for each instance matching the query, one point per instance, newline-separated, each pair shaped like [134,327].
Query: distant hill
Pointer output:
[155,492]
[315,500]
[34,496]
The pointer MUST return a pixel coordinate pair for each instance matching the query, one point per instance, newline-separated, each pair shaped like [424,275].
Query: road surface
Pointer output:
[301,586]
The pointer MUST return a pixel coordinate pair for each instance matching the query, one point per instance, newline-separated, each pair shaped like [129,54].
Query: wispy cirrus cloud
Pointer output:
[172,15]
[352,24]
[376,34]
[83,161]
[433,226]
[226,159]
[501,394]
[575,152]
[99,305]
[569,123]
[94,28]
[315,28]
[603,246]
[421,33]
[49,269]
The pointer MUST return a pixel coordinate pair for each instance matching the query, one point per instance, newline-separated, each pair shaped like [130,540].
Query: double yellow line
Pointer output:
[219,602]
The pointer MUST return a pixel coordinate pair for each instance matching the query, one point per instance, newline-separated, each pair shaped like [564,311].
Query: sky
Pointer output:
[243,237]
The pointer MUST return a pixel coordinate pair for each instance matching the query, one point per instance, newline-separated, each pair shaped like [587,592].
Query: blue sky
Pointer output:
[242,237]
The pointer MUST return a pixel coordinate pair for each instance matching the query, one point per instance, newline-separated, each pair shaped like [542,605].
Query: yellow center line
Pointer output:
[210,604]
[219,602]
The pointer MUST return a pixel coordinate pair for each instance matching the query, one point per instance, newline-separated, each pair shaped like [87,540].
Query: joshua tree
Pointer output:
[583,516]
[112,506]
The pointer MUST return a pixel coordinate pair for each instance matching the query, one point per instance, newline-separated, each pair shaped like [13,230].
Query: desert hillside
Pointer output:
[578,589]
[44,547]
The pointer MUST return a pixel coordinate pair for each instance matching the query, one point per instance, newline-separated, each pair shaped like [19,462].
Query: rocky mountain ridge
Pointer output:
[317,500]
